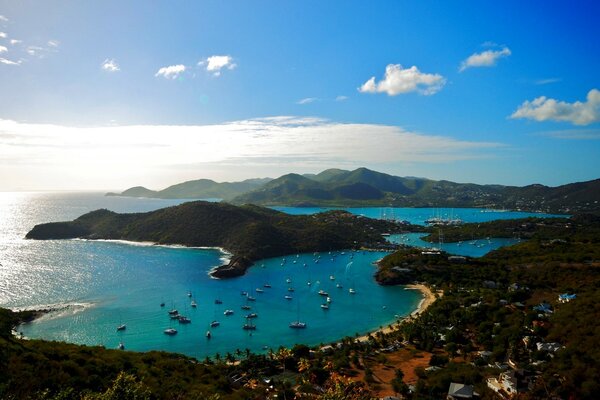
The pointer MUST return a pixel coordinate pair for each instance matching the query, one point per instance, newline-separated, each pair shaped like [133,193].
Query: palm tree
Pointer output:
[282,355]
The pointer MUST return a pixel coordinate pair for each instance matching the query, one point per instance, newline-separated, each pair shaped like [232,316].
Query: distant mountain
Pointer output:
[197,189]
[249,232]
[364,187]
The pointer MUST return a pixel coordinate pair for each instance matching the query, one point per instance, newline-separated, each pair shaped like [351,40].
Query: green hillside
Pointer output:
[248,232]
[364,187]
[196,189]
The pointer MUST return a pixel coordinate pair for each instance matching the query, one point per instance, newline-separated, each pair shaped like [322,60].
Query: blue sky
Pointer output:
[112,94]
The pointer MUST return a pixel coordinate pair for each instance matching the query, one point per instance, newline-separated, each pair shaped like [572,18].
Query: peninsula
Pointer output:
[248,232]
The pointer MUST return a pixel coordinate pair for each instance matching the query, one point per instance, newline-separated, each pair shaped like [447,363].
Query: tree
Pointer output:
[124,387]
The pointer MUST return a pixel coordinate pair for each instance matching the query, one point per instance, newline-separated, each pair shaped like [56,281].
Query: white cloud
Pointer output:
[110,65]
[547,81]
[3,18]
[171,72]
[3,35]
[53,43]
[546,109]
[398,80]
[307,100]
[3,49]
[215,64]
[93,157]
[6,61]
[486,58]
[341,98]
[15,41]
[34,50]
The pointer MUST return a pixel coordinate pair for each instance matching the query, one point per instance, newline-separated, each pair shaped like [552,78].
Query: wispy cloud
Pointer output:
[341,98]
[307,100]
[573,134]
[15,41]
[110,65]
[53,43]
[3,35]
[6,61]
[547,109]
[398,80]
[33,50]
[486,58]
[171,72]
[215,64]
[135,151]
[3,49]
[547,81]
[3,18]
[40,51]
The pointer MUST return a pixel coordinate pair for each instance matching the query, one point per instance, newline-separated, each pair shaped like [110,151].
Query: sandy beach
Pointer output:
[428,299]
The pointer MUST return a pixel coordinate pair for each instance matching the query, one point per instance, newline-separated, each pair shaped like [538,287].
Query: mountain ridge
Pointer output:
[365,187]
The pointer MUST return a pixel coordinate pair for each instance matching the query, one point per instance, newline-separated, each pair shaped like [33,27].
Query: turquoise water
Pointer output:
[418,216]
[109,283]
[126,284]
[471,248]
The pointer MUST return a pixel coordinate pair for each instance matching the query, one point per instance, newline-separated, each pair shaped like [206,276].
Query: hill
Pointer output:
[248,232]
[196,189]
[364,187]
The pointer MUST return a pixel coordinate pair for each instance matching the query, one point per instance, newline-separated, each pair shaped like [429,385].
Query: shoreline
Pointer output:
[428,299]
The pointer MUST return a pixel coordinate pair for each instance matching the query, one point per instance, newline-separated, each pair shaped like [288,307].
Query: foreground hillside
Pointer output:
[502,313]
[248,232]
[496,319]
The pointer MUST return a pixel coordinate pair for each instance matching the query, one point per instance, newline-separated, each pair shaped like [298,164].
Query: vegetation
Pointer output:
[489,304]
[197,189]
[249,232]
[486,320]
[364,187]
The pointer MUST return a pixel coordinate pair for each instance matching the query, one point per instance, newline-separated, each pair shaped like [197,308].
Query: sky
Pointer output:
[99,95]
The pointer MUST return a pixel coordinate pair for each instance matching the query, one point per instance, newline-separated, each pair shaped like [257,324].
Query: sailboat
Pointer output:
[121,326]
[170,331]
[249,326]
[121,346]
[297,324]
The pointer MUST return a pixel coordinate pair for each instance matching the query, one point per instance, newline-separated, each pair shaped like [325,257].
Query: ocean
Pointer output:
[99,285]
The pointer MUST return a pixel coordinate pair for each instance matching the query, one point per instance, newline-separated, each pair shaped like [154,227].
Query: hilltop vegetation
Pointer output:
[364,187]
[196,189]
[526,228]
[491,304]
[248,232]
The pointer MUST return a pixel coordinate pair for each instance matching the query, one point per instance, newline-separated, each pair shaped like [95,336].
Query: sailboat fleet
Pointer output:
[250,317]
[438,220]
